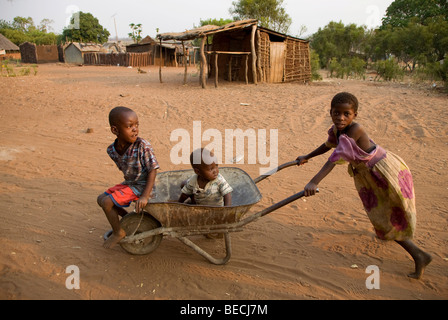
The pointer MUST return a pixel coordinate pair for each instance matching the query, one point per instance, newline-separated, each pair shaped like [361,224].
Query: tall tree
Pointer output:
[338,41]
[136,33]
[270,13]
[89,29]
[45,25]
[23,24]
[400,12]
[22,29]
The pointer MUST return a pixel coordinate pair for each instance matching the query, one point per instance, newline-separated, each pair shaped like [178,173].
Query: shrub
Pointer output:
[388,70]
[315,66]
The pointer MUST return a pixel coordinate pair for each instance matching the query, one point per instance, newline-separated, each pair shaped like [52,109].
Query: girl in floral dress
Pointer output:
[382,179]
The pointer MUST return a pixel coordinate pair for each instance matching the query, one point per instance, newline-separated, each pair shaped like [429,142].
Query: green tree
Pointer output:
[23,24]
[89,29]
[215,22]
[400,12]
[437,55]
[45,25]
[22,29]
[269,13]
[136,33]
[315,66]
[438,27]
[338,41]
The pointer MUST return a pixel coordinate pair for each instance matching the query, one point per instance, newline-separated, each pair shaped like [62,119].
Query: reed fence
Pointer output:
[128,59]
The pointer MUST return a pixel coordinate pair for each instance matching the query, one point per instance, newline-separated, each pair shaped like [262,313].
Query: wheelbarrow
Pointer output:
[165,216]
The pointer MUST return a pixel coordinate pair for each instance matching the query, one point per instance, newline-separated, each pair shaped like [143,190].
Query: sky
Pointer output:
[181,15]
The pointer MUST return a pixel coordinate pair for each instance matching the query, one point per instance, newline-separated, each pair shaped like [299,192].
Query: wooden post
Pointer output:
[203,63]
[247,57]
[260,72]
[230,68]
[185,62]
[254,54]
[160,66]
[216,70]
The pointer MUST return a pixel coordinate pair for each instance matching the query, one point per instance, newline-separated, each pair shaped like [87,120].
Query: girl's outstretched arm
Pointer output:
[311,187]
[320,150]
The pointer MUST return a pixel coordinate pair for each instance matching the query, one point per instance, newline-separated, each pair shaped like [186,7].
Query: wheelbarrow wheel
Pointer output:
[130,222]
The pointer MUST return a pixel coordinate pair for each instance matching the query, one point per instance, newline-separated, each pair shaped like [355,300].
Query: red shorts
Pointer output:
[122,195]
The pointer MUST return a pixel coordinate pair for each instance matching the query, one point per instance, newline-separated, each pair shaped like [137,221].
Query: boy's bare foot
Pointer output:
[114,239]
[421,261]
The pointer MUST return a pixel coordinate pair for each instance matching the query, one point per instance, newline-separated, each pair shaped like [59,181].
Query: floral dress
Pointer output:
[384,184]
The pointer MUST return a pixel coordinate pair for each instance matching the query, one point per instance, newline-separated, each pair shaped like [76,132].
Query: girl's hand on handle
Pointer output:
[301,160]
[310,189]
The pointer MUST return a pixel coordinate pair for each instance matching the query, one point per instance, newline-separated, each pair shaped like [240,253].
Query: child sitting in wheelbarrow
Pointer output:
[135,157]
[207,186]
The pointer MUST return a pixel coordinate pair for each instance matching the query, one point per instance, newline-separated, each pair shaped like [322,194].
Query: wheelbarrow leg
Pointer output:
[207,256]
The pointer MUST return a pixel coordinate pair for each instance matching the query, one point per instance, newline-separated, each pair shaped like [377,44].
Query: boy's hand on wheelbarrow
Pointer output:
[140,204]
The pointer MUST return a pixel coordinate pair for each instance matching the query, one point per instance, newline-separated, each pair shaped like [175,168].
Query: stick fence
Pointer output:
[128,59]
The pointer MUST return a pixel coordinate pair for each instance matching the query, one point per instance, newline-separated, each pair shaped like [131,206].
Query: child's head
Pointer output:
[204,164]
[344,109]
[124,124]
[345,98]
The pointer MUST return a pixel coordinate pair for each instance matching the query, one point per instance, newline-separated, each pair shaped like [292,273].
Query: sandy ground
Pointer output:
[52,170]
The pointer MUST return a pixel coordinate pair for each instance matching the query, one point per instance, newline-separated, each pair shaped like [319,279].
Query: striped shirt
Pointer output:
[136,163]
[212,194]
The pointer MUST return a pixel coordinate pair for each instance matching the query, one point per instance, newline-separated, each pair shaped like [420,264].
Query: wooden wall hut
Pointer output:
[28,52]
[283,58]
[8,50]
[166,53]
[74,52]
[31,53]
[147,45]
[243,51]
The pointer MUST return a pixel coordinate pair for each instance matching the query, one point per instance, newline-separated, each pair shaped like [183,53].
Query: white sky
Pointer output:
[180,15]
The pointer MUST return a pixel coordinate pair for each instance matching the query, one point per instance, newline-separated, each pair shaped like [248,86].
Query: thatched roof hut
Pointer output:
[8,49]
[7,45]
[274,57]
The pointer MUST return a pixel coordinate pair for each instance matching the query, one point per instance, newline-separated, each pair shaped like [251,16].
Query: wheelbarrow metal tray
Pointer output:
[170,213]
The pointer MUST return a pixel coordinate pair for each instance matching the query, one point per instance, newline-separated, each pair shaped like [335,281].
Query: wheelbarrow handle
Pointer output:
[272,208]
[281,167]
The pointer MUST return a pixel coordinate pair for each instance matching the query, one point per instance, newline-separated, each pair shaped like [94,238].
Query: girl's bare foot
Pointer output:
[114,239]
[421,261]
[421,258]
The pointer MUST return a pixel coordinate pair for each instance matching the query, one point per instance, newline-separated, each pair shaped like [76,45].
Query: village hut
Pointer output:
[145,45]
[38,54]
[168,53]
[243,51]
[114,47]
[28,52]
[74,52]
[8,50]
